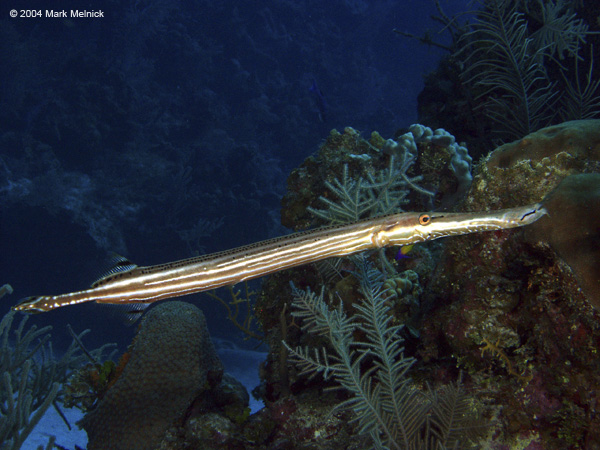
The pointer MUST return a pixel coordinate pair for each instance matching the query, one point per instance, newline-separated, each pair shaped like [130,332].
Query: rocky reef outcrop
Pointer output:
[519,311]
[172,363]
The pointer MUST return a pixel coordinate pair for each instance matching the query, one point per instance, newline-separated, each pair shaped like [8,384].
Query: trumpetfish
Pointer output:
[140,286]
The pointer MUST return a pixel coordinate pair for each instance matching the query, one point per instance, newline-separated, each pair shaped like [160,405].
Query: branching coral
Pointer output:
[6,289]
[581,99]
[240,304]
[494,348]
[31,377]
[18,418]
[505,60]
[387,406]
[382,193]
[504,67]
[22,393]
[561,30]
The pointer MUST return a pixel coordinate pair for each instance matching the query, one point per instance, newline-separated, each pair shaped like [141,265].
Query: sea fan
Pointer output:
[387,405]
[561,30]
[581,99]
[381,193]
[504,65]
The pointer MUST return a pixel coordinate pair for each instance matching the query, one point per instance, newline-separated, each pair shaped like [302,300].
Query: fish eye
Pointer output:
[424,219]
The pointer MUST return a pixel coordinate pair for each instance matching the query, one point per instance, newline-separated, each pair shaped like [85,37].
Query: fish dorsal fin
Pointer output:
[118,264]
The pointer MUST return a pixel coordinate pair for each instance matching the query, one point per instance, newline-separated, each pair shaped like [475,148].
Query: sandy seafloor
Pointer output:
[242,364]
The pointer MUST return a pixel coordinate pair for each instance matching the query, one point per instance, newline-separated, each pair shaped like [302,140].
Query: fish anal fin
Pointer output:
[127,313]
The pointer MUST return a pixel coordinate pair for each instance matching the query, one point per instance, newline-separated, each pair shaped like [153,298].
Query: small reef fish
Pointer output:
[319,100]
[404,251]
[129,284]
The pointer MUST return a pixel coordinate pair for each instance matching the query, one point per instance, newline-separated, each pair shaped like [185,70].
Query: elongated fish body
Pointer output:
[143,285]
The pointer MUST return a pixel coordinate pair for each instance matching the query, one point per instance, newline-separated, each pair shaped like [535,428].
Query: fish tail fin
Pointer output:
[43,303]
[33,305]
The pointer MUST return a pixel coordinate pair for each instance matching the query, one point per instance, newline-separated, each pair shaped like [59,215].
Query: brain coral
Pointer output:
[573,229]
[172,361]
[526,170]
[529,169]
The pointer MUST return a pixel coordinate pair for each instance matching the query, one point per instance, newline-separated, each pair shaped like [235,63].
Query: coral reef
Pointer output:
[490,305]
[512,294]
[502,306]
[31,376]
[520,65]
[425,172]
[529,169]
[172,362]
[374,371]
[576,199]
[506,308]
[163,114]
[168,391]
[24,398]
[345,159]
[460,161]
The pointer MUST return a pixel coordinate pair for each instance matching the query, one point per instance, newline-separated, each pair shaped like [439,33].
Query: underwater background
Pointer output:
[161,130]
[165,129]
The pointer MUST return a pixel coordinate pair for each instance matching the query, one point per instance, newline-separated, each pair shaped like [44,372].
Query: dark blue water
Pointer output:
[166,128]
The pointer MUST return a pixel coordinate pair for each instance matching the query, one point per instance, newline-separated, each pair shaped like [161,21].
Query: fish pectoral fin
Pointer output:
[118,264]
